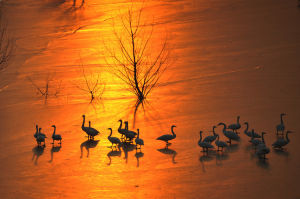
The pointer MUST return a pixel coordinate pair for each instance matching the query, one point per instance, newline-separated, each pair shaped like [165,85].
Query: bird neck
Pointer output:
[252,133]
[214,131]
[224,128]
[287,137]
[120,124]
[138,134]
[238,120]
[281,120]
[54,130]
[262,138]
[37,129]
[83,121]
[126,126]
[247,126]
[172,130]
[110,132]
[89,124]
[200,137]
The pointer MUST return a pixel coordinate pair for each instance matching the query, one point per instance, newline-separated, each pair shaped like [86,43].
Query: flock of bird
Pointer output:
[256,140]
[230,131]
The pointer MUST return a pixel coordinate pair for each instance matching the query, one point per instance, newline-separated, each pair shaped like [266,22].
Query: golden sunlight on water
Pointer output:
[224,62]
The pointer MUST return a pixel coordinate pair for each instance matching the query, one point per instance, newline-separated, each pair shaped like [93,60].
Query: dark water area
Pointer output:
[228,58]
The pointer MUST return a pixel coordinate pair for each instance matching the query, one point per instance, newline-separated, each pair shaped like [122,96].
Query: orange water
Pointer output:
[228,58]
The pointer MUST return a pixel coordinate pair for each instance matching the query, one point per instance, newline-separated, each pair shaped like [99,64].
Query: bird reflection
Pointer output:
[169,152]
[87,145]
[281,152]
[37,152]
[262,163]
[232,148]
[220,157]
[113,153]
[54,149]
[206,157]
[138,155]
[127,147]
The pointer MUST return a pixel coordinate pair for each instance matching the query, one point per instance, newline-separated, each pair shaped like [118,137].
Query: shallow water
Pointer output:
[229,58]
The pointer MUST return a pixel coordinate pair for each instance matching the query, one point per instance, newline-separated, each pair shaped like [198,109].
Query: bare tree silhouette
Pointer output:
[92,85]
[6,43]
[45,92]
[134,60]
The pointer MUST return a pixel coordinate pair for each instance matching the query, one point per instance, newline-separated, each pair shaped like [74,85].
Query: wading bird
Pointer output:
[220,143]
[167,137]
[256,142]
[113,140]
[138,140]
[211,138]
[281,142]
[262,149]
[235,127]
[205,145]
[280,127]
[40,138]
[249,133]
[91,132]
[229,134]
[120,130]
[55,136]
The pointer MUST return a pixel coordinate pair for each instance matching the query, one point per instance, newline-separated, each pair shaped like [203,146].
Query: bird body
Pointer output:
[138,140]
[91,132]
[211,138]
[205,145]
[120,130]
[236,126]
[256,142]
[129,134]
[280,127]
[113,140]
[249,133]
[220,143]
[229,134]
[281,142]
[167,137]
[56,136]
[262,149]
[40,138]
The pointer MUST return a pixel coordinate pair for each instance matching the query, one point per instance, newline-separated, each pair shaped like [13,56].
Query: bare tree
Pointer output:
[133,59]
[6,44]
[92,85]
[45,91]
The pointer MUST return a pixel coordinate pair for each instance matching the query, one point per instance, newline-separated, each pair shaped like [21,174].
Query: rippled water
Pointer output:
[228,58]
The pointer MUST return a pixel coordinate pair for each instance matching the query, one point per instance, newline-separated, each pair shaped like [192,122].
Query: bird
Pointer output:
[36,131]
[211,138]
[56,136]
[281,142]
[205,145]
[229,134]
[167,137]
[138,140]
[256,142]
[113,140]
[236,126]
[249,133]
[40,138]
[262,149]
[219,143]
[91,132]
[129,134]
[280,127]
[120,130]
